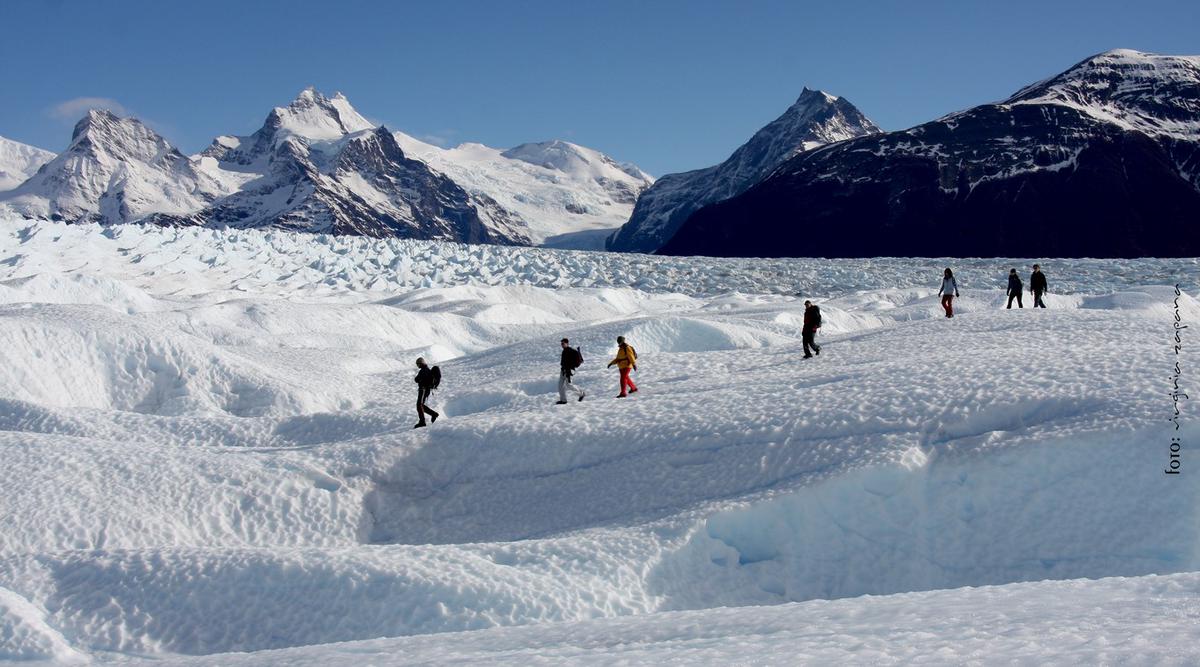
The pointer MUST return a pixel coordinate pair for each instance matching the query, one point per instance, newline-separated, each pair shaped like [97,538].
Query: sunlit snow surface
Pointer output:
[207,448]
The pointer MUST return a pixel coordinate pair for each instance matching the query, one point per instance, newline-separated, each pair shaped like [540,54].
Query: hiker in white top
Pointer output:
[949,291]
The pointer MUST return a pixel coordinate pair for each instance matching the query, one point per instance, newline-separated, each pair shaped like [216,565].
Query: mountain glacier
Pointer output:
[569,195]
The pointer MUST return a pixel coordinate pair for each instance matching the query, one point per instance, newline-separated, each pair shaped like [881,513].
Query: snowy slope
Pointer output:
[815,119]
[115,170]
[1112,621]
[569,195]
[208,448]
[18,162]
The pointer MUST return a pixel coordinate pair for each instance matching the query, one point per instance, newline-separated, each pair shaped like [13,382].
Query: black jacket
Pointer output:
[1037,281]
[424,378]
[567,361]
[1014,284]
[812,317]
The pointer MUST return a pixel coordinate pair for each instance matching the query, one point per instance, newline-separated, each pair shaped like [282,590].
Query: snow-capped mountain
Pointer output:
[19,161]
[1102,160]
[569,195]
[115,170]
[317,165]
[816,119]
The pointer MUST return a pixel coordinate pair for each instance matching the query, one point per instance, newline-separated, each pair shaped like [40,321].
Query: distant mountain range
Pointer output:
[1102,160]
[317,165]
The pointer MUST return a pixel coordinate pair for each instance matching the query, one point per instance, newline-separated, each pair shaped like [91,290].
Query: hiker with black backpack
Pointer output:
[625,361]
[427,380]
[572,358]
[812,322]
[1015,287]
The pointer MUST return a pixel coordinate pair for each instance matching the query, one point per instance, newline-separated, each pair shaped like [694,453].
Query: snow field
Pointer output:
[208,448]
[1111,621]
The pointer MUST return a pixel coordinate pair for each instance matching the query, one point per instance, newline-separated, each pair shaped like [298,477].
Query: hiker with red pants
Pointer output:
[948,291]
[626,360]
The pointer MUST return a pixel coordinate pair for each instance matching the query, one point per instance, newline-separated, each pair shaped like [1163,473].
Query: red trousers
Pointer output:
[948,304]
[626,382]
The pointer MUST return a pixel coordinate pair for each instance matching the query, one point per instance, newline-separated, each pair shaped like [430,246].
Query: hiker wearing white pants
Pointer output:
[571,359]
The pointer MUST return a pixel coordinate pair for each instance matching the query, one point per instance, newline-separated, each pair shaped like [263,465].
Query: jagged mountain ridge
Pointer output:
[1101,160]
[318,165]
[815,119]
[18,162]
[115,170]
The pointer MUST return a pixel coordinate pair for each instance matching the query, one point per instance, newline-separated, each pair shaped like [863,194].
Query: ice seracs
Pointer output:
[207,446]
[19,161]
[815,119]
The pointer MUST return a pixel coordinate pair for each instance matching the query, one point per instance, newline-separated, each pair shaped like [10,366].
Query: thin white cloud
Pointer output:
[443,139]
[73,109]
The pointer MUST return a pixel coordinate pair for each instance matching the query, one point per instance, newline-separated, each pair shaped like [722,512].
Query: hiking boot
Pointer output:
[620,395]
[807,356]
[581,396]
[419,425]
[817,350]
[633,391]
[433,417]
[560,402]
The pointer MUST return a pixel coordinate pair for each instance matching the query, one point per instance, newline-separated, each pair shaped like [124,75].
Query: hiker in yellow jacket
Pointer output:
[625,361]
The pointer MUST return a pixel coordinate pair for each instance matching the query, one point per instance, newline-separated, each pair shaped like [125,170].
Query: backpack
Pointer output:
[435,378]
[577,358]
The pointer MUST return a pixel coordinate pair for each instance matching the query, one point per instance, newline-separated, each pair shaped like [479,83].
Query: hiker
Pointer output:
[812,322]
[571,359]
[1014,289]
[1037,285]
[427,380]
[948,291]
[626,360]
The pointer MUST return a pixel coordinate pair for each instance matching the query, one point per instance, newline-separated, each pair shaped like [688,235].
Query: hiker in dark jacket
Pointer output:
[1014,289]
[1037,285]
[571,359]
[812,322]
[948,291]
[426,381]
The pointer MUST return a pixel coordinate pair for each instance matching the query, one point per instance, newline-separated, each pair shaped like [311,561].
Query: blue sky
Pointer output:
[668,85]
